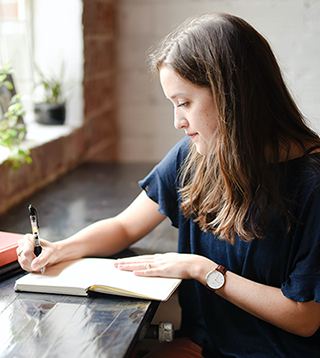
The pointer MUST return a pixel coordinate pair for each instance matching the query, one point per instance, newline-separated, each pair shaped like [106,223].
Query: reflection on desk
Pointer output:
[35,325]
[42,325]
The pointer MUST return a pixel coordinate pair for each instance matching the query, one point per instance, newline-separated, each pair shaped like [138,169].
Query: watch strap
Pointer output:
[221,269]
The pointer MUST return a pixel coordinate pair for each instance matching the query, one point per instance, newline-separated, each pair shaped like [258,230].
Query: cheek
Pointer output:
[210,122]
[209,113]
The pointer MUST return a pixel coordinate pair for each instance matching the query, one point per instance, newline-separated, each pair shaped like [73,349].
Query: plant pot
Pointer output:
[48,113]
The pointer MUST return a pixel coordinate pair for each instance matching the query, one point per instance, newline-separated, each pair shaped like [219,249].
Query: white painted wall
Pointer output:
[146,117]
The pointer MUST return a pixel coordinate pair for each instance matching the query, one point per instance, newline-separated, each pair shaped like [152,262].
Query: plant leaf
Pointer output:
[8,84]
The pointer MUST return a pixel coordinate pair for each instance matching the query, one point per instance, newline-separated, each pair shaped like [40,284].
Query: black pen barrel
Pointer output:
[37,250]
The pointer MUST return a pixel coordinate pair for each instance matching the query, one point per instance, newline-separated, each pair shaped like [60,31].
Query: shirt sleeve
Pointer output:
[162,183]
[303,283]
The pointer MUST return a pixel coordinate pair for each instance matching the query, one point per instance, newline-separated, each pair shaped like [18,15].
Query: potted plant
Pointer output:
[12,128]
[53,109]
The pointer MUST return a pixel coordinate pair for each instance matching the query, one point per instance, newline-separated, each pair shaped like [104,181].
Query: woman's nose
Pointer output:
[180,122]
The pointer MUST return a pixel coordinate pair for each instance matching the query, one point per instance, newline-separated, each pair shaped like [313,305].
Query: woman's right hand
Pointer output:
[28,260]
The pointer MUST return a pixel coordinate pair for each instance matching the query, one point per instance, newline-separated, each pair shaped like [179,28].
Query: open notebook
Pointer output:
[95,274]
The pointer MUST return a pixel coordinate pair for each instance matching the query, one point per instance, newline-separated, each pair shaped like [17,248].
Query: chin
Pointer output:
[202,146]
[201,151]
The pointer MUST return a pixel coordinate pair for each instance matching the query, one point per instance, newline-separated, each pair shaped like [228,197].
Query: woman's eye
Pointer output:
[182,104]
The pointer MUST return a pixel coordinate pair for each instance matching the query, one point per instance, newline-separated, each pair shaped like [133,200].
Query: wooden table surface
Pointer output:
[43,325]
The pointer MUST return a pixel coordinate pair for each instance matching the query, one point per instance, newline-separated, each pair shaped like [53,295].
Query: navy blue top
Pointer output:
[287,261]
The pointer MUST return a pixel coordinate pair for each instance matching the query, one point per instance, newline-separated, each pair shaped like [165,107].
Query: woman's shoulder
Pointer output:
[178,153]
[170,166]
[182,147]
[308,165]
[303,174]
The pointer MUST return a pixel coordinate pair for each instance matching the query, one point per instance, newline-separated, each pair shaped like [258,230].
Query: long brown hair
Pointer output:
[229,190]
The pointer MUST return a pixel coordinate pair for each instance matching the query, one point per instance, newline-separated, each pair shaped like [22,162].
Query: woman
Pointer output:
[243,190]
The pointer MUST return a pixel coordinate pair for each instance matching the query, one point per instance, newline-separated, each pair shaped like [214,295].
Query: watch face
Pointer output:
[215,279]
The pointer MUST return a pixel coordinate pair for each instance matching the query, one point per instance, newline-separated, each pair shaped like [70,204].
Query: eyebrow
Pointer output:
[177,95]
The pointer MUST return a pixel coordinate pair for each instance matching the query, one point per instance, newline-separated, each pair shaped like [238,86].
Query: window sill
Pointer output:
[39,134]
[54,150]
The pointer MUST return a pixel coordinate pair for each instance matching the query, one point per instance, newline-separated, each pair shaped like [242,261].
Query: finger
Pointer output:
[25,252]
[28,243]
[136,258]
[42,260]
[146,269]
[148,272]
[134,266]
[24,245]
[133,261]
[137,263]
[27,259]
[19,249]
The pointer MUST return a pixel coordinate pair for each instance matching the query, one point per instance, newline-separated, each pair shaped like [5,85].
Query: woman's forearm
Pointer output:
[103,238]
[110,236]
[267,303]
[264,302]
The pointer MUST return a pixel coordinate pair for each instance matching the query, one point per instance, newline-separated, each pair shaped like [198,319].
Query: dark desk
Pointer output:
[38,325]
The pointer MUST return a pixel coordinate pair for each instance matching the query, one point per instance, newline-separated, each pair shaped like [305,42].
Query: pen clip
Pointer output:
[33,213]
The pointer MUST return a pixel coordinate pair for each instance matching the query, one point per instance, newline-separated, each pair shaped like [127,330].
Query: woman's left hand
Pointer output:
[184,266]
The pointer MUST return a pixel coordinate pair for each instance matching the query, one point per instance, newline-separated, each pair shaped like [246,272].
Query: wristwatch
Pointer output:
[215,279]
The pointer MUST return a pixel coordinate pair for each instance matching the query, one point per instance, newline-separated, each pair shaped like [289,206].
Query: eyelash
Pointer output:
[182,104]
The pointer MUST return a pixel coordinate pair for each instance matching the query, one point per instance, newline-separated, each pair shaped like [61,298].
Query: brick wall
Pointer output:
[100,128]
[97,139]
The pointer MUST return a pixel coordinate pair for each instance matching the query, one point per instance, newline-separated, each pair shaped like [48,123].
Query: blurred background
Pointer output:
[292,27]
[116,111]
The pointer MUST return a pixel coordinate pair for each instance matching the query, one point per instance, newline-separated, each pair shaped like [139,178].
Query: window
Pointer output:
[30,35]
[16,45]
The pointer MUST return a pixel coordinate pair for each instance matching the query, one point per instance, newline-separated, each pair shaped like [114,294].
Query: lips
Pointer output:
[192,135]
